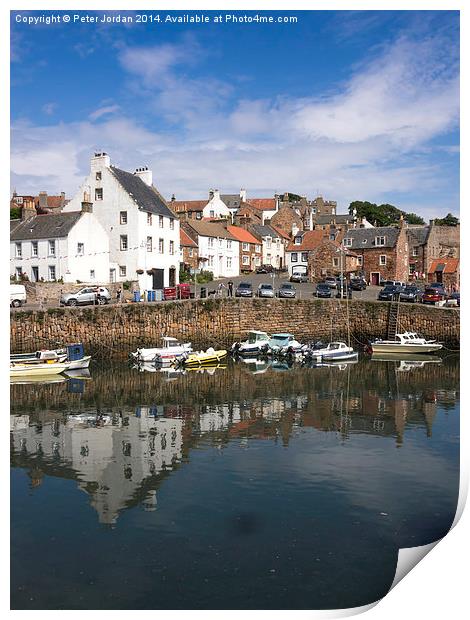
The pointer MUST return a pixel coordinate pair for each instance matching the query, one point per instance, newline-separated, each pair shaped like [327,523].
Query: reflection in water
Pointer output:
[124,433]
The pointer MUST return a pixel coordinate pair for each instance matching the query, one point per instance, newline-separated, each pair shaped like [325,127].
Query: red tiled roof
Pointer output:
[188,205]
[263,204]
[451,265]
[242,235]
[280,231]
[311,239]
[186,239]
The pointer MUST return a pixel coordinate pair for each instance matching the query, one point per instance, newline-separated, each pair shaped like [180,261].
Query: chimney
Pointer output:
[211,194]
[295,229]
[217,194]
[62,200]
[87,205]
[145,174]
[28,209]
[99,161]
[173,198]
[43,200]
[243,195]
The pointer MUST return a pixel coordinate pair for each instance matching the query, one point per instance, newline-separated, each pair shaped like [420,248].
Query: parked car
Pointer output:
[265,269]
[323,290]
[432,295]
[331,281]
[358,284]
[389,293]
[299,277]
[287,290]
[265,290]
[438,285]
[453,299]
[411,293]
[87,295]
[244,289]
[17,295]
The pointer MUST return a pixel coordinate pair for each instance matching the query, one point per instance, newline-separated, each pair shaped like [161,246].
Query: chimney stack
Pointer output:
[243,195]
[145,174]
[43,200]
[28,210]
[99,161]
[87,205]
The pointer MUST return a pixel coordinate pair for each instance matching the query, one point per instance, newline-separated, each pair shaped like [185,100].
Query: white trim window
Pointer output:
[347,242]
[229,244]
[245,260]
[34,248]
[359,261]
[161,246]
[18,250]
[294,257]
[123,217]
[123,243]
[298,240]
[382,260]
[229,262]
[304,257]
[52,272]
[149,244]
[99,193]
[257,248]
[172,247]
[415,252]
[160,221]
[149,219]
[172,223]
[245,247]
[122,271]
[380,241]
[51,245]
[210,242]
[80,249]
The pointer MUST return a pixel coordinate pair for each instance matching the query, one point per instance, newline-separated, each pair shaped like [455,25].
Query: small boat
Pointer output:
[201,358]
[170,350]
[284,343]
[45,369]
[408,342]
[335,351]
[73,354]
[255,344]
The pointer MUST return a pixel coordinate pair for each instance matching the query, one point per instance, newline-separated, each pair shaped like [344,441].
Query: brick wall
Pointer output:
[114,331]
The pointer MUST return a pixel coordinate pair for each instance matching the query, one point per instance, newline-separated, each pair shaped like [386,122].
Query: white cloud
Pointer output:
[103,111]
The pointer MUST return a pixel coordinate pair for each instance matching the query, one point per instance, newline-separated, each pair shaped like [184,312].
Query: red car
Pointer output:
[432,296]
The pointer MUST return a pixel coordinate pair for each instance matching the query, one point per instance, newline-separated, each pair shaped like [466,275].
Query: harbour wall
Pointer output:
[111,332]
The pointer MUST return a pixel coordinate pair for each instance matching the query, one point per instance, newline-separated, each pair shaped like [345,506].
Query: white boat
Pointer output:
[282,343]
[408,342]
[170,350]
[335,351]
[255,343]
[37,369]
[72,354]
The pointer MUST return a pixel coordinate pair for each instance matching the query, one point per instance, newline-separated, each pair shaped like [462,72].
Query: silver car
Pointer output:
[265,290]
[286,291]
[86,295]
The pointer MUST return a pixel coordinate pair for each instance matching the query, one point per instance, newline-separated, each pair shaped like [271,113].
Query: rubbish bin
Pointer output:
[158,295]
[136,295]
[203,292]
[150,295]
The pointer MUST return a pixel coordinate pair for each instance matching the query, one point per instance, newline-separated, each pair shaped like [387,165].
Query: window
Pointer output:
[172,223]
[304,257]
[332,236]
[123,217]
[99,193]
[80,249]
[172,247]
[122,271]
[293,257]
[149,219]
[160,221]
[18,273]
[98,176]
[161,246]
[298,240]
[359,261]
[221,243]
[190,252]
[123,244]
[268,243]
[347,242]
[92,274]
[34,248]
[229,244]
[51,248]
[210,242]
[35,274]
[412,269]
[246,247]
[382,259]
[314,210]
[229,262]
[199,215]
[335,261]
[149,244]
[51,272]
[278,243]
[257,248]
[211,213]
[245,260]
[211,261]
[18,250]
[415,252]
[380,241]
[257,261]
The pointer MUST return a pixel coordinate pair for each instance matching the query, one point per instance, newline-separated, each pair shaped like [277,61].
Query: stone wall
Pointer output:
[114,331]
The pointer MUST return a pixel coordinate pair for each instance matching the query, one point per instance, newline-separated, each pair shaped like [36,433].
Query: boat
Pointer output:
[170,350]
[284,343]
[208,369]
[334,351]
[408,342]
[200,358]
[256,366]
[256,343]
[72,354]
[45,369]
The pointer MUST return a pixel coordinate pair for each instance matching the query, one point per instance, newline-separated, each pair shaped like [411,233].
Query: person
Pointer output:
[230,288]
[118,295]
[220,289]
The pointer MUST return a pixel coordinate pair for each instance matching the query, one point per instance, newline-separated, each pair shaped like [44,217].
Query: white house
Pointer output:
[273,245]
[218,249]
[143,231]
[69,246]
[216,207]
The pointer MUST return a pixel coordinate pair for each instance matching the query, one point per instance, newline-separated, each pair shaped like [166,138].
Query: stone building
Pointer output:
[330,258]
[189,251]
[188,209]
[299,249]
[286,219]
[445,271]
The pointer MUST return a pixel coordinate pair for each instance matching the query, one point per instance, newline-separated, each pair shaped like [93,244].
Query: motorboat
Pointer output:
[72,354]
[253,345]
[45,369]
[200,358]
[284,343]
[408,342]
[334,351]
[170,350]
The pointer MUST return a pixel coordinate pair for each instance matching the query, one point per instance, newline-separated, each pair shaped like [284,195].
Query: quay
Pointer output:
[111,332]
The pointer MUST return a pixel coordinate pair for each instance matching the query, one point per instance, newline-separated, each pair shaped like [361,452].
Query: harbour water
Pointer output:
[250,486]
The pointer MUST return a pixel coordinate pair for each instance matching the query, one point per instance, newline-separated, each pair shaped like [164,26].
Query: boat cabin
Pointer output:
[255,336]
[281,340]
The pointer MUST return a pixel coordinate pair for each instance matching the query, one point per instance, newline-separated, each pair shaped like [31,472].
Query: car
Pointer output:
[265,269]
[389,293]
[331,281]
[86,295]
[432,295]
[411,293]
[438,285]
[244,289]
[265,290]
[17,295]
[299,277]
[286,290]
[358,284]
[453,299]
[323,290]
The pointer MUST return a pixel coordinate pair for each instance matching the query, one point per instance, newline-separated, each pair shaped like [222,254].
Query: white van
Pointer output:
[17,295]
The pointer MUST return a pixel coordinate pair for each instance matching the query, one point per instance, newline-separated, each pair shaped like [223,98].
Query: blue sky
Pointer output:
[353,105]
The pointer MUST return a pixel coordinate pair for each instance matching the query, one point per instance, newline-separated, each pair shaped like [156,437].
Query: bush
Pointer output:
[126,285]
[204,276]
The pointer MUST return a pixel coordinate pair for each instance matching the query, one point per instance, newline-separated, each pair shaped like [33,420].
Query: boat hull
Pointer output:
[31,370]
[389,347]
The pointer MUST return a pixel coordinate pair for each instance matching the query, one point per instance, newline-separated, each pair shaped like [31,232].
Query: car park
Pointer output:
[389,293]
[323,290]
[244,289]
[86,295]
[265,290]
[297,276]
[432,296]
[265,269]
[17,295]
[286,291]
[358,284]
[411,294]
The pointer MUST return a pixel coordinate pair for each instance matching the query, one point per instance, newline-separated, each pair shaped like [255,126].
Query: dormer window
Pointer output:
[347,242]
[380,241]
[298,240]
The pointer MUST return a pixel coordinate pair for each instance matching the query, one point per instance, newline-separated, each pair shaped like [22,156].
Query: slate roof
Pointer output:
[329,219]
[211,229]
[233,201]
[418,235]
[147,198]
[265,231]
[364,238]
[50,226]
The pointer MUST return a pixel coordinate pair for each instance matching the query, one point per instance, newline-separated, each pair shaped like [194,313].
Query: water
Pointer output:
[247,488]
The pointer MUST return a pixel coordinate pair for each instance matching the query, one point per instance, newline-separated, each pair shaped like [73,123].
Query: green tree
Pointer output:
[448,220]
[15,213]
[412,218]
[381,215]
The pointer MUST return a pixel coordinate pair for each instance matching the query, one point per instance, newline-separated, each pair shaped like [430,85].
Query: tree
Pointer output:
[381,215]
[448,220]
[15,213]
[412,218]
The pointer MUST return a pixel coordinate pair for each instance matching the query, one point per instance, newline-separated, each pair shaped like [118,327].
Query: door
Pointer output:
[112,275]
[375,278]
[157,279]
[438,275]
[35,274]
[172,277]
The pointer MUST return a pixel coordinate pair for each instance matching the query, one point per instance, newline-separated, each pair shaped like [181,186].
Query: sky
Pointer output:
[351,105]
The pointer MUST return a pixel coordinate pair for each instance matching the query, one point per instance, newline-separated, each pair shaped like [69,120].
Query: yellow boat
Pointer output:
[49,368]
[203,358]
